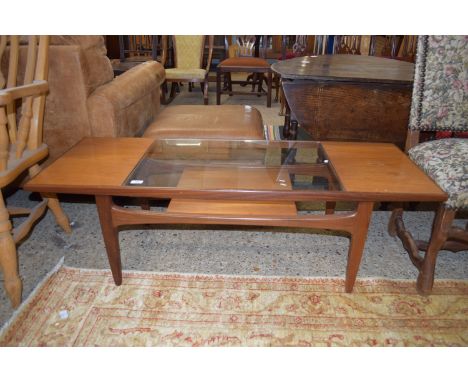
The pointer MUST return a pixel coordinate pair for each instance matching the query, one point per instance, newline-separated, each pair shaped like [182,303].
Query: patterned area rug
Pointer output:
[76,307]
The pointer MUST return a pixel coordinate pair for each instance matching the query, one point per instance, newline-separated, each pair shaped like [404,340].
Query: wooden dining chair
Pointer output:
[21,145]
[439,103]
[246,55]
[188,64]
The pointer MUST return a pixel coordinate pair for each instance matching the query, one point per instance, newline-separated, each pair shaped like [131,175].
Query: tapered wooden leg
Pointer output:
[440,229]
[110,234]
[54,204]
[358,240]
[8,258]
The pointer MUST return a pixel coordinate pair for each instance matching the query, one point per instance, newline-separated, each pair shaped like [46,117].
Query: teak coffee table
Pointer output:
[258,183]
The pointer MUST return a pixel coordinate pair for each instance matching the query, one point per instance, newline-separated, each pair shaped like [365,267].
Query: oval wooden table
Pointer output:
[347,97]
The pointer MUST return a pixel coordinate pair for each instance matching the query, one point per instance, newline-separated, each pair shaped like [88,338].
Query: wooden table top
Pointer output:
[346,67]
[372,171]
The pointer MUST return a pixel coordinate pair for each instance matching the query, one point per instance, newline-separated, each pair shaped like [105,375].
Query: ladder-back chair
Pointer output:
[21,146]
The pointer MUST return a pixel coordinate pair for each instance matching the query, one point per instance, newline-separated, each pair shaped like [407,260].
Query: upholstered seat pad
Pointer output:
[446,162]
[244,62]
[187,74]
[207,122]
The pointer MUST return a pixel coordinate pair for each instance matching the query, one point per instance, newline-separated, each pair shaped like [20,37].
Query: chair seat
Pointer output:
[244,62]
[181,74]
[446,162]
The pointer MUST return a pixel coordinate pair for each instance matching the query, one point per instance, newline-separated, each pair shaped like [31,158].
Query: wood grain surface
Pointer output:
[367,172]
[228,178]
[346,67]
[378,167]
[94,162]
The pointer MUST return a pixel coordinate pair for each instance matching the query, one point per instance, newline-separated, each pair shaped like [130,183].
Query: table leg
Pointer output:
[358,239]
[110,234]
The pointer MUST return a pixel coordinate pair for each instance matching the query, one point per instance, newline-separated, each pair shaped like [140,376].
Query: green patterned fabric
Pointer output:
[446,162]
[440,84]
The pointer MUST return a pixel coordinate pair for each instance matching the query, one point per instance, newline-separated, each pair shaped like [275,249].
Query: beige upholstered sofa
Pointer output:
[86,100]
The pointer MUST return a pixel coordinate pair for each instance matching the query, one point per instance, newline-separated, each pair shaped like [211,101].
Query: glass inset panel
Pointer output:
[234,165]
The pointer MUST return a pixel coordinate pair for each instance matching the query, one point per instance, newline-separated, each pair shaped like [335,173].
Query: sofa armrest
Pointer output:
[125,106]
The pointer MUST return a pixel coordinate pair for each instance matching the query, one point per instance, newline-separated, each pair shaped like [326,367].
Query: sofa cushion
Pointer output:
[446,162]
[206,122]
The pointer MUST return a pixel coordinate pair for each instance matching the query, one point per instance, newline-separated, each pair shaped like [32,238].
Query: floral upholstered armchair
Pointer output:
[439,104]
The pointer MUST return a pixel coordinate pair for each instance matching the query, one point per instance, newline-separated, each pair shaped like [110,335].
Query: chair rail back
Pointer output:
[27,134]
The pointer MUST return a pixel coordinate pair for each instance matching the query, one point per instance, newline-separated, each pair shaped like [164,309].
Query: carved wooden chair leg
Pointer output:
[8,258]
[440,231]
[397,214]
